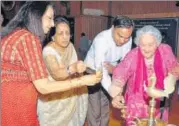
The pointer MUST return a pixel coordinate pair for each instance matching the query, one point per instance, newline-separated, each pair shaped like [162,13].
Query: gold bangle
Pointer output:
[79,82]
[71,85]
[75,83]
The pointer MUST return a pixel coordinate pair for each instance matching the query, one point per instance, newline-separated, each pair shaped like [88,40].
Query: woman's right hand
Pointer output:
[92,79]
[118,102]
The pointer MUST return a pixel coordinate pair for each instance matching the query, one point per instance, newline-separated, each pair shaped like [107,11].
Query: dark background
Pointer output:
[167,26]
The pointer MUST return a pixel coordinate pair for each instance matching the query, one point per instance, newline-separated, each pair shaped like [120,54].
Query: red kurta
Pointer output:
[22,63]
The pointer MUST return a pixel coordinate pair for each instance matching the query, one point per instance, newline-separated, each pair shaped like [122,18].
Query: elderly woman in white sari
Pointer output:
[67,108]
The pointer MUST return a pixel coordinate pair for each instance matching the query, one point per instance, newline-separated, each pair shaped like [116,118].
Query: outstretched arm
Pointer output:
[121,73]
[44,86]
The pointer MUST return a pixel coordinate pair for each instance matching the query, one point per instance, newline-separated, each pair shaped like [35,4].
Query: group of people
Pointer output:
[41,88]
[47,86]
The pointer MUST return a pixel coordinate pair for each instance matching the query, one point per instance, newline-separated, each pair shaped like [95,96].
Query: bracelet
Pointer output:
[71,87]
[79,82]
[76,83]
[68,70]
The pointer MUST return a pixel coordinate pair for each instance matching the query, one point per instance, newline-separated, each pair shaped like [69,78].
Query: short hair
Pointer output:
[82,34]
[148,29]
[57,21]
[60,19]
[123,22]
[3,18]
[29,17]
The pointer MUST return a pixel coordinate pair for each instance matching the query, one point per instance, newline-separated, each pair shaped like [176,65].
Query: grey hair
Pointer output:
[148,29]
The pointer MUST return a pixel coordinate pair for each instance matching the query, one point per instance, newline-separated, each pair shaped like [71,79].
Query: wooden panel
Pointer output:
[91,25]
[143,7]
[75,8]
[102,5]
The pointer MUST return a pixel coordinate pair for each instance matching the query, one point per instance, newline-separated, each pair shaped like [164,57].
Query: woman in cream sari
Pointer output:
[67,108]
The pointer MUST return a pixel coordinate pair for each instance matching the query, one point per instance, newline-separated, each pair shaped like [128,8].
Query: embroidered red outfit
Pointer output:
[22,63]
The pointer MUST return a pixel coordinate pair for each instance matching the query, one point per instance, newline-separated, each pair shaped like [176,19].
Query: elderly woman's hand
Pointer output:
[175,71]
[118,102]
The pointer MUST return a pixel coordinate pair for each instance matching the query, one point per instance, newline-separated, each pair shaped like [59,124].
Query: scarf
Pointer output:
[141,72]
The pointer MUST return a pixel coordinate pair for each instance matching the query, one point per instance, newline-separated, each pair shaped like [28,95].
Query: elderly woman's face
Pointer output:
[148,45]
[47,19]
[62,35]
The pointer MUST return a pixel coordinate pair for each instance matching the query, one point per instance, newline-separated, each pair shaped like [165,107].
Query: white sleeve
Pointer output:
[106,80]
[101,49]
[126,48]
[50,51]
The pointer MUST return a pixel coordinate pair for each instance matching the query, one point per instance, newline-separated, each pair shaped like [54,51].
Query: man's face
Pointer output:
[121,35]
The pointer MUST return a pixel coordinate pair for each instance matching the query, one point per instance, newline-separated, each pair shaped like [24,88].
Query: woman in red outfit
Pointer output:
[23,72]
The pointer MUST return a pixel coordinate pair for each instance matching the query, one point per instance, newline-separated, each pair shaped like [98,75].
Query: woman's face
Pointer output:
[47,19]
[62,35]
[148,45]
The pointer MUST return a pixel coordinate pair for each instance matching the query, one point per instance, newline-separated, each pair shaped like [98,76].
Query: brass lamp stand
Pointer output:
[151,121]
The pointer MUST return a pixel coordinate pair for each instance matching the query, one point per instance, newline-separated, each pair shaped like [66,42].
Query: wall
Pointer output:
[94,24]
[138,9]
[102,5]
[143,7]
[91,25]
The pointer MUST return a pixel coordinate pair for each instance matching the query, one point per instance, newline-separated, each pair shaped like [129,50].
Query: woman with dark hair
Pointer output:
[4,19]
[62,62]
[23,71]
[1,20]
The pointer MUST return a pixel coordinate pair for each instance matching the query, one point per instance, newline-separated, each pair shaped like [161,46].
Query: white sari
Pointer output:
[68,108]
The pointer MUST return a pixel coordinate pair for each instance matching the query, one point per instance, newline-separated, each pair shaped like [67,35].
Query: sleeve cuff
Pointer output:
[114,90]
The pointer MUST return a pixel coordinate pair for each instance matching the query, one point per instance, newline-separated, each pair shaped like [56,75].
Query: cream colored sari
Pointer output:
[67,108]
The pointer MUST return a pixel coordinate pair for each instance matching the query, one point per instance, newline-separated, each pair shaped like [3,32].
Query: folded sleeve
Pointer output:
[122,72]
[170,59]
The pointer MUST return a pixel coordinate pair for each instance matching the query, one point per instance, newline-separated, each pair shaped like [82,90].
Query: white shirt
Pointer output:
[104,49]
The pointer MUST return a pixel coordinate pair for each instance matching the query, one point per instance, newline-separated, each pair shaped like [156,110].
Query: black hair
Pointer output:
[5,20]
[57,20]
[83,34]
[123,22]
[60,19]
[29,17]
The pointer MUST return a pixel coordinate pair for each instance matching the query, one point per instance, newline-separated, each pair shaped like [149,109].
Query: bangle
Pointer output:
[75,83]
[78,82]
[71,87]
